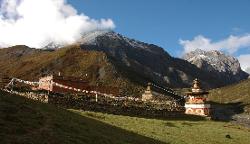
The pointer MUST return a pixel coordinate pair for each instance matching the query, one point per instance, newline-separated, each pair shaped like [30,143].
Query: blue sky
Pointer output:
[165,22]
[179,26]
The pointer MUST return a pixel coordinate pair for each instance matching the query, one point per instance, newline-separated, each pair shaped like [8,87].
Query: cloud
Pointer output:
[236,30]
[38,22]
[231,44]
[244,61]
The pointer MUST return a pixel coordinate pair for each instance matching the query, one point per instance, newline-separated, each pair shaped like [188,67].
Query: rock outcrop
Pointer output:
[215,62]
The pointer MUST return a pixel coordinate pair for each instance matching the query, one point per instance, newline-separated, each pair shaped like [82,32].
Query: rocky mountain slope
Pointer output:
[248,70]
[148,60]
[30,64]
[107,58]
[217,63]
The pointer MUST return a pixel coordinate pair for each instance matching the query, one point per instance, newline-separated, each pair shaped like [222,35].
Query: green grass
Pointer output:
[233,94]
[177,131]
[25,121]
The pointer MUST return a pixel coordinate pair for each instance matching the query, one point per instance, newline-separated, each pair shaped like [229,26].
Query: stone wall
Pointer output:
[138,108]
[107,105]
[44,98]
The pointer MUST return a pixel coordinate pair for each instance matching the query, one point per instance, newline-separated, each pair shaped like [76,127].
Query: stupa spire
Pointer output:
[196,100]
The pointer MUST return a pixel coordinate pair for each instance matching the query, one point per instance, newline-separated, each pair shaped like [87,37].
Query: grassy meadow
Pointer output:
[26,121]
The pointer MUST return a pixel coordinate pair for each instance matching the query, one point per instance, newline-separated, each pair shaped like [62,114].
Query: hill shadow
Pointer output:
[25,121]
[105,133]
[226,111]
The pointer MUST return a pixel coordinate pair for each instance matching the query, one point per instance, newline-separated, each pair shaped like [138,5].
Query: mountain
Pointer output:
[217,63]
[30,64]
[53,46]
[248,70]
[110,59]
[148,60]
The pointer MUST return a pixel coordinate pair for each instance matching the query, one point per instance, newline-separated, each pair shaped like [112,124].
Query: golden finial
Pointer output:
[196,84]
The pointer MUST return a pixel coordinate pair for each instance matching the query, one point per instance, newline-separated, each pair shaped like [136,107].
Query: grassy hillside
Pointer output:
[30,64]
[177,131]
[25,121]
[237,93]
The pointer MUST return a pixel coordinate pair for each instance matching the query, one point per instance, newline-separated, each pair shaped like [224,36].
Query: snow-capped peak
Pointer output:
[213,60]
[90,37]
